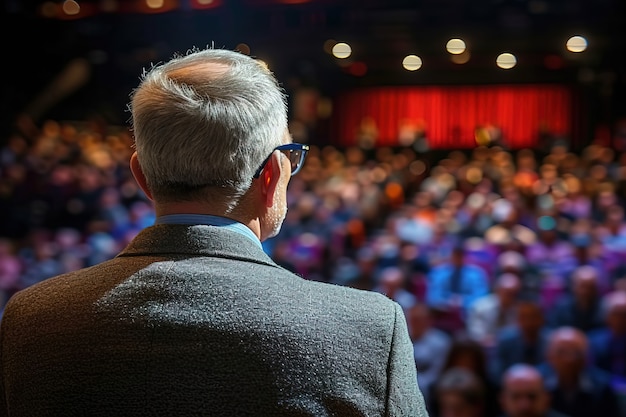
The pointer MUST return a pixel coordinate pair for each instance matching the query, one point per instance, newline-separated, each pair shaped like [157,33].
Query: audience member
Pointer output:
[513,261]
[588,252]
[554,259]
[577,388]
[459,393]
[466,353]
[523,393]
[430,347]
[392,283]
[452,287]
[438,249]
[508,227]
[582,307]
[494,311]
[607,345]
[523,342]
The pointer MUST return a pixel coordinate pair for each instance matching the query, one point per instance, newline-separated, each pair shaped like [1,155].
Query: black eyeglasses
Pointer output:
[296,152]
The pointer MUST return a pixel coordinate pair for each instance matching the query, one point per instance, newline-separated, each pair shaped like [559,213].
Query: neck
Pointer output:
[530,336]
[569,382]
[584,303]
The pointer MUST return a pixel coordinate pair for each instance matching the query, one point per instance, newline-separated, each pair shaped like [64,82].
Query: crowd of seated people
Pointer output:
[509,253]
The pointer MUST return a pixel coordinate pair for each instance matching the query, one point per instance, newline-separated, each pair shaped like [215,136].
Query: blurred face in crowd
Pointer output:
[457,257]
[459,393]
[585,284]
[392,280]
[567,352]
[523,393]
[606,199]
[530,318]
[508,288]
[615,216]
[452,404]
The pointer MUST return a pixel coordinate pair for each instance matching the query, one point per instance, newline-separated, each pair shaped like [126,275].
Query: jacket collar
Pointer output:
[195,240]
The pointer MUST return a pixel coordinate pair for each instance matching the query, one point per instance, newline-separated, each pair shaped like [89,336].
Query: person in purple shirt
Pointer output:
[554,259]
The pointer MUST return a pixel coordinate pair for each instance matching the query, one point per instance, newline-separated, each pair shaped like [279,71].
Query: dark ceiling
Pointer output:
[291,37]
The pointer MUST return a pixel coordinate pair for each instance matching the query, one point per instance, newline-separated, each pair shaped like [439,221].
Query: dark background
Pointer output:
[112,47]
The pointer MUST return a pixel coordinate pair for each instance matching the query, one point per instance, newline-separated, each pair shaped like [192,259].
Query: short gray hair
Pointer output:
[197,128]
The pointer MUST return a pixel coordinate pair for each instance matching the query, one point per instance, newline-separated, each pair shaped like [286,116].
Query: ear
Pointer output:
[135,168]
[270,177]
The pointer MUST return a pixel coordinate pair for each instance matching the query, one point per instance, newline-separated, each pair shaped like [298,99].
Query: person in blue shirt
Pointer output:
[453,286]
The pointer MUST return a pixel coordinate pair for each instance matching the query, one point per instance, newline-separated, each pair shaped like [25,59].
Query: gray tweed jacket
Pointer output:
[199,321]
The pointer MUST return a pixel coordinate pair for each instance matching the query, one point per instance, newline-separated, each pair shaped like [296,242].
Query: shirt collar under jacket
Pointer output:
[209,220]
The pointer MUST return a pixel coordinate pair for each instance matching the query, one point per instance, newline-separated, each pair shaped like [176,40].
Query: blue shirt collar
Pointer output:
[209,220]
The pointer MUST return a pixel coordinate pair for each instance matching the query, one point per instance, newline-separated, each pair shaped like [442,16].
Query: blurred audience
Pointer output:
[435,230]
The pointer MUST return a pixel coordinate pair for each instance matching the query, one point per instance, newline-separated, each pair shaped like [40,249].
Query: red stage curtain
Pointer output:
[451,115]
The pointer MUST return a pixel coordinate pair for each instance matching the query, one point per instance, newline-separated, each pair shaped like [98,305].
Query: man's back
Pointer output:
[197,320]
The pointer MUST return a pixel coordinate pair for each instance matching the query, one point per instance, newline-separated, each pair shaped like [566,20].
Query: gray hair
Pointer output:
[522,371]
[206,120]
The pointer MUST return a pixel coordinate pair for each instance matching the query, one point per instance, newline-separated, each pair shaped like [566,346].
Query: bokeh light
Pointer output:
[71,8]
[341,50]
[155,4]
[506,60]
[576,44]
[455,46]
[412,62]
